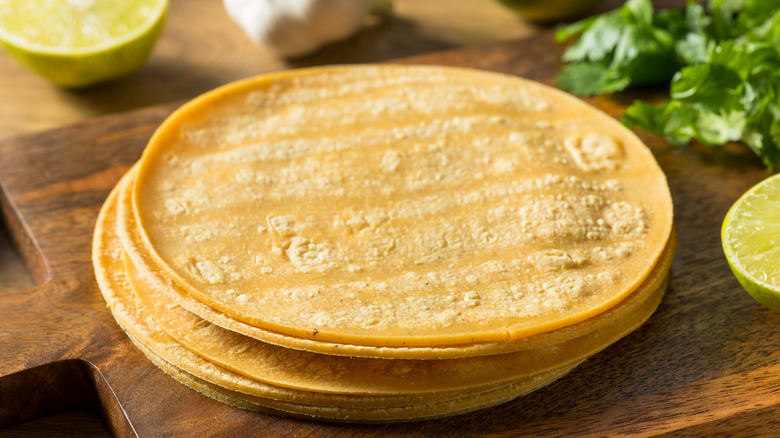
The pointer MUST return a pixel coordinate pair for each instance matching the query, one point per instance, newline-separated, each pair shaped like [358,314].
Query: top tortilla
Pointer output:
[400,205]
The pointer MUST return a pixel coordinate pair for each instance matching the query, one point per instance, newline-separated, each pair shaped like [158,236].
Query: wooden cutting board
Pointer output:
[707,362]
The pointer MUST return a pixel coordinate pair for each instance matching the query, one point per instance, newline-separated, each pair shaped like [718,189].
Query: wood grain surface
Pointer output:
[706,364]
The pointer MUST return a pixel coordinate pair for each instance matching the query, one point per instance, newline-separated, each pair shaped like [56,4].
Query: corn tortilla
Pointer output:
[169,292]
[233,388]
[427,411]
[327,373]
[229,387]
[400,206]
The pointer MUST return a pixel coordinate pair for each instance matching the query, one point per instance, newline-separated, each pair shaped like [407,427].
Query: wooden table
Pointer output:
[191,58]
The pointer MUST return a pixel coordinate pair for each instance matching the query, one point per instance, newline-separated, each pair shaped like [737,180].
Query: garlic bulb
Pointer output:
[294,28]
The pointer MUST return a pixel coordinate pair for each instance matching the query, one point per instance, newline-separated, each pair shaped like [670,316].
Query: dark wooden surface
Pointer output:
[708,361]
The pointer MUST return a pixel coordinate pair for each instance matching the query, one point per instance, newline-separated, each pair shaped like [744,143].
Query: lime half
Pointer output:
[76,43]
[751,241]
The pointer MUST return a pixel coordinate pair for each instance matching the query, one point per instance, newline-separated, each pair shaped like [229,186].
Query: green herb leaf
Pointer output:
[722,64]
[626,47]
[590,78]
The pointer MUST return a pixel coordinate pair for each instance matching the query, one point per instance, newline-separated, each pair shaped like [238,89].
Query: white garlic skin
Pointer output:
[294,28]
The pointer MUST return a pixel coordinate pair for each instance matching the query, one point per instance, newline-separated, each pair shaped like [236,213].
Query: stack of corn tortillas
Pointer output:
[383,243]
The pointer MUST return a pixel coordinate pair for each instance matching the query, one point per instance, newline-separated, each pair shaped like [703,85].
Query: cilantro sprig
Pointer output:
[722,63]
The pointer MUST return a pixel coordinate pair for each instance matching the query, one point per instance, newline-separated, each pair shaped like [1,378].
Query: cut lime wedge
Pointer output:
[751,241]
[76,43]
